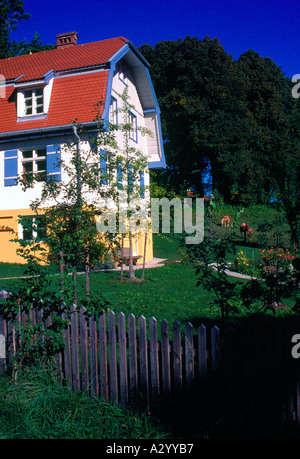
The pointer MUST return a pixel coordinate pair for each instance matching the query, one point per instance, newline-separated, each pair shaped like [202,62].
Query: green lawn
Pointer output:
[168,292]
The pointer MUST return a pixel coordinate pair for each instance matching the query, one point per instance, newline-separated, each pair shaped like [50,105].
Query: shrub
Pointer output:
[277,257]
[244,265]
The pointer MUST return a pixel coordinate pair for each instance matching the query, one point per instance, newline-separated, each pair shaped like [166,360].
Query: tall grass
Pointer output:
[37,407]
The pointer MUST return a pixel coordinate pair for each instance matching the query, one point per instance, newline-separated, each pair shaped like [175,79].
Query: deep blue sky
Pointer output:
[269,27]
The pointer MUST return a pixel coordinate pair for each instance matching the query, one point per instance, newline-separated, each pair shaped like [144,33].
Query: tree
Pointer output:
[71,207]
[200,98]
[236,117]
[12,13]
[274,140]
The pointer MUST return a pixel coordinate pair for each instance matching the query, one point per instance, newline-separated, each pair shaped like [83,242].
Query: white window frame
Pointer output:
[113,113]
[34,159]
[34,220]
[34,98]
[132,119]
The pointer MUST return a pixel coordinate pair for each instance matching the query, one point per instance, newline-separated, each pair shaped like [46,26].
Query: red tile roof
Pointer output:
[35,66]
[73,96]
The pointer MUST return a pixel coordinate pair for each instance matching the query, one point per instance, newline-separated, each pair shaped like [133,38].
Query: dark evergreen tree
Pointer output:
[12,13]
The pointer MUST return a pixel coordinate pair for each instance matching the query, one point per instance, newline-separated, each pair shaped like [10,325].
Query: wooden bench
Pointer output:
[124,256]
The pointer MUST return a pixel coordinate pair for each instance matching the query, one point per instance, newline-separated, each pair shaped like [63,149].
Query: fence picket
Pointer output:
[67,351]
[215,348]
[93,356]
[84,349]
[154,368]
[165,359]
[133,371]
[189,356]
[112,358]
[123,360]
[3,333]
[143,361]
[202,352]
[177,359]
[103,357]
[75,349]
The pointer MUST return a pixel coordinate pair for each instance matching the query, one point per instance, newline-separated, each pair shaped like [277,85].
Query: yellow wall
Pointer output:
[9,220]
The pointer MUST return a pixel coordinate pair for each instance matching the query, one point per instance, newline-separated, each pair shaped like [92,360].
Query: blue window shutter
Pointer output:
[142,184]
[10,167]
[53,158]
[103,166]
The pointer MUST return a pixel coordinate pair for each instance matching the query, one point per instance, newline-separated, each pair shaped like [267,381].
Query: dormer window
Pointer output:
[33,97]
[34,101]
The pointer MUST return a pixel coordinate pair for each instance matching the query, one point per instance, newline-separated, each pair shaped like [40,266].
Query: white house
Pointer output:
[42,95]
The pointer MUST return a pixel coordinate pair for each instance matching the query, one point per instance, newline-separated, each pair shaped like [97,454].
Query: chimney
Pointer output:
[66,39]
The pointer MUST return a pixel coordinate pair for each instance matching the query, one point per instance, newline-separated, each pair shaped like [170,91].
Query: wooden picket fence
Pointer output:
[127,364]
[137,363]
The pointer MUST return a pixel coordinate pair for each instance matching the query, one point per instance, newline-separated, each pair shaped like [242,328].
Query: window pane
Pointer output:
[28,109]
[41,170]
[28,94]
[27,154]
[27,228]
[41,166]
[41,153]
[39,100]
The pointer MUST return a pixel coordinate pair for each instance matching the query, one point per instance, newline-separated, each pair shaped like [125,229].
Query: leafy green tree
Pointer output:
[202,113]
[274,140]
[237,117]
